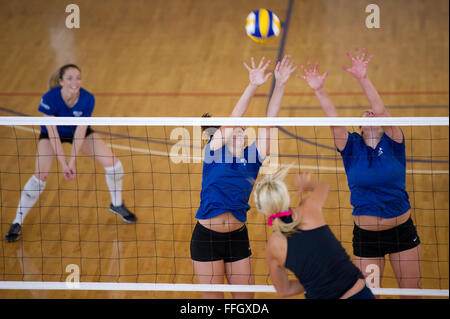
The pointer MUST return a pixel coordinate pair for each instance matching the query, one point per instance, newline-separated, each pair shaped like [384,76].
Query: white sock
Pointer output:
[30,194]
[114,176]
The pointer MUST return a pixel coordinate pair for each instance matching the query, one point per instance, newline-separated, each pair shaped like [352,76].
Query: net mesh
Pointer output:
[71,226]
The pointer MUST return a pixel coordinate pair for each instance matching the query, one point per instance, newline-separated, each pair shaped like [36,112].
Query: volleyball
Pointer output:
[262,26]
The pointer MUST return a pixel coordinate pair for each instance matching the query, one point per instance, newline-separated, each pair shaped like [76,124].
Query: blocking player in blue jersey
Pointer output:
[220,243]
[66,98]
[375,164]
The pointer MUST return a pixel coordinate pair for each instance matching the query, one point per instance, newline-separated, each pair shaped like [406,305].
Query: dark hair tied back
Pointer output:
[209,129]
[58,75]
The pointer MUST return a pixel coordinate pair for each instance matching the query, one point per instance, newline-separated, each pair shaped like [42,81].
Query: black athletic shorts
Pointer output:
[368,243]
[209,245]
[89,131]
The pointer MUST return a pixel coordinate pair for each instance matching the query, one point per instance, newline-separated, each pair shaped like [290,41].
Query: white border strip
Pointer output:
[226,121]
[51,285]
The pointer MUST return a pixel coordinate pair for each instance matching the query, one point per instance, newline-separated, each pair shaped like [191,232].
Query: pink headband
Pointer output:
[278,215]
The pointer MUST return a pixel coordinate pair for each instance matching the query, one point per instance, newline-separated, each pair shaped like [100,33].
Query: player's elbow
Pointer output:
[282,292]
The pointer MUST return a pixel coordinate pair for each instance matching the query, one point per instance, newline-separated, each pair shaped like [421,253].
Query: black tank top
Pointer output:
[320,263]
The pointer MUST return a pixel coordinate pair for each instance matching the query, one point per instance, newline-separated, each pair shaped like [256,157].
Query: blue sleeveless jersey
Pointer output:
[376,177]
[227,182]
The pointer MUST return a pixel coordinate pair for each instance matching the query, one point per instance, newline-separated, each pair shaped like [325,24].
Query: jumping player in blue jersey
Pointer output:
[66,98]
[375,164]
[303,243]
[220,243]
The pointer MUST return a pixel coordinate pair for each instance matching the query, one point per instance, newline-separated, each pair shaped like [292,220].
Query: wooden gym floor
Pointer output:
[184,58]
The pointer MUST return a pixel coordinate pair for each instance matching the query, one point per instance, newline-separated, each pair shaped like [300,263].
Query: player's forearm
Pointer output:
[244,101]
[55,142]
[275,100]
[326,103]
[283,285]
[78,139]
[292,288]
[373,96]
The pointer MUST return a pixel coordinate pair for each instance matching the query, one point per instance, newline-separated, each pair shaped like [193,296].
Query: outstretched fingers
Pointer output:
[368,60]
[304,70]
[311,70]
[265,65]
[261,62]
[363,54]
[261,65]
[356,53]
[285,60]
[316,67]
[350,56]
[289,63]
[277,67]
[359,57]
[292,67]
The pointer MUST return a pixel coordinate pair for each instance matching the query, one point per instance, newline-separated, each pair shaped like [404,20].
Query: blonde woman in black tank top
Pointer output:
[303,243]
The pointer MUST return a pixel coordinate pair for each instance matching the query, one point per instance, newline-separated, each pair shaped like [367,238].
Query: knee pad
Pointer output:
[33,188]
[115,172]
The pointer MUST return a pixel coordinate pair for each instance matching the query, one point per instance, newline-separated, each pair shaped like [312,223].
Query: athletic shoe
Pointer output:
[14,232]
[123,212]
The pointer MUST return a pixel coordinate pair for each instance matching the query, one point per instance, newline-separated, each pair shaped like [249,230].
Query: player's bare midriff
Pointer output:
[375,223]
[223,223]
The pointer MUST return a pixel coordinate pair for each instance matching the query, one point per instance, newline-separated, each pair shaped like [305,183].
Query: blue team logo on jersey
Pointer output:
[380,151]
[77,113]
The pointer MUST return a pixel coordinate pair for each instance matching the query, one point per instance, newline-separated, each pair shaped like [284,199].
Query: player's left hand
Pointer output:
[72,168]
[359,66]
[284,69]
[257,74]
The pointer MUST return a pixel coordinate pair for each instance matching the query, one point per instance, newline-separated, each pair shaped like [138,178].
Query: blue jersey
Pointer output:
[227,182]
[376,177]
[53,104]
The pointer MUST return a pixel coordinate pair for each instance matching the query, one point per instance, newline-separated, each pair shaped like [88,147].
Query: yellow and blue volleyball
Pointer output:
[262,26]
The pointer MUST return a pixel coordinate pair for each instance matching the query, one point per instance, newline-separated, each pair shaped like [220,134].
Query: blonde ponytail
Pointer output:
[272,197]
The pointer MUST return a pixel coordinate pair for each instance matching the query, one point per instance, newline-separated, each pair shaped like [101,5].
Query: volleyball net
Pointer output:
[70,239]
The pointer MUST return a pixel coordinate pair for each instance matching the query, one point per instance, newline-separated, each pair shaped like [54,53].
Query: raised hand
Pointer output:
[312,76]
[303,181]
[257,74]
[284,69]
[359,66]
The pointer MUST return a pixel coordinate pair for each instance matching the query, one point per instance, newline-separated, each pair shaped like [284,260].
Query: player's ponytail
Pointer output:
[53,82]
[272,197]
